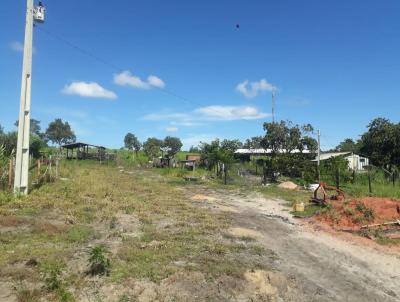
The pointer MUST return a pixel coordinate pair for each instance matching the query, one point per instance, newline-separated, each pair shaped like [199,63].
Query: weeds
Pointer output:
[51,275]
[368,214]
[99,264]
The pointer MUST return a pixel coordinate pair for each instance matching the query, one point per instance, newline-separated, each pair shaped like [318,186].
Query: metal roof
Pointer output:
[79,145]
[267,151]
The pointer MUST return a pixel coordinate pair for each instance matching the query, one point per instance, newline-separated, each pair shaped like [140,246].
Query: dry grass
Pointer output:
[166,235]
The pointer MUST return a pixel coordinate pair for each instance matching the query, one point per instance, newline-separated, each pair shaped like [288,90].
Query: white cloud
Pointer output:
[202,115]
[171,129]
[126,78]
[89,90]
[19,47]
[230,113]
[253,89]
[155,81]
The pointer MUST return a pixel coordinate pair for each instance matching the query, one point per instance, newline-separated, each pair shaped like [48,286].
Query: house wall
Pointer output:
[357,162]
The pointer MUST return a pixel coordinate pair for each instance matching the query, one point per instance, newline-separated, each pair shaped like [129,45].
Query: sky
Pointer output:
[200,70]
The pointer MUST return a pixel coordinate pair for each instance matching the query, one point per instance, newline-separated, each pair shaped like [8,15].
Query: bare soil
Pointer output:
[359,212]
[320,265]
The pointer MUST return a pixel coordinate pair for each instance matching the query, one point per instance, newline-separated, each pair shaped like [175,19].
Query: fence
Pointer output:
[40,171]
[374,181]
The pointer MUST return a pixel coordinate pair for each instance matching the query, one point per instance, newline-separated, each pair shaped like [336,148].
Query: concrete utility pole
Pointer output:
[22,156]
[319,155]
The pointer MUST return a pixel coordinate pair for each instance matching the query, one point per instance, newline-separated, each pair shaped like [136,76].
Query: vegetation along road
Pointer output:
[105,233]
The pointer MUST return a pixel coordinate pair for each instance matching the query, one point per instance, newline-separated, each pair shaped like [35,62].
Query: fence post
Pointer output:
[354,176]
[57,164]
[225,168]
[38,168]
[393,179]
[10,173]
[369,182]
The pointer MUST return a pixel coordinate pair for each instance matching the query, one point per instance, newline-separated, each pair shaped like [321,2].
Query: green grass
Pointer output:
[309,211]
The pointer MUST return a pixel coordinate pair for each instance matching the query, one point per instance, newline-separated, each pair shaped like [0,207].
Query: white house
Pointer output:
[356,162]
[267,151]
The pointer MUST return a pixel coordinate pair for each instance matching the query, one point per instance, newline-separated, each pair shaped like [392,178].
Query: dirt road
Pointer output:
[322,267]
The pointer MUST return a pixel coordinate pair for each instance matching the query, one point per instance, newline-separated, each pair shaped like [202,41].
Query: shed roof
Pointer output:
[267,151]
[79,145]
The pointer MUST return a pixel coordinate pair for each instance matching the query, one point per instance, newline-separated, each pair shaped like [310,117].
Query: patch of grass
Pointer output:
[387,241]
[309,210]
[293,196]
[27,212]
[87,205]
[51,275]
[25,294]
[79,234]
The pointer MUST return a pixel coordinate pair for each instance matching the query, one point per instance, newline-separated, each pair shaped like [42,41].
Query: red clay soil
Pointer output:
[358,212]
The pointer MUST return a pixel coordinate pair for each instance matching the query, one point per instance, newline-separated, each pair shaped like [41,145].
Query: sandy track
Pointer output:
[324,267]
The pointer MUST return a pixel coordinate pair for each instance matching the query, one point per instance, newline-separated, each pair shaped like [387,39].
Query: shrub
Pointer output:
[99,264]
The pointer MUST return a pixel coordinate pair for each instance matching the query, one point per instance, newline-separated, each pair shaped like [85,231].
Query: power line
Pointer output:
[118,69]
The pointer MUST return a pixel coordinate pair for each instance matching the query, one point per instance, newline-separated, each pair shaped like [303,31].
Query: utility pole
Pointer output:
[22,156]
[319,155]
[273,106]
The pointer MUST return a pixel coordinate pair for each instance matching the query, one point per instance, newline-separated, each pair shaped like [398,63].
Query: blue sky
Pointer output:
[334,64]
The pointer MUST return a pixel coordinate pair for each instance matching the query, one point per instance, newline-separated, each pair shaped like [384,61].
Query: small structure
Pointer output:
[164,162]
[192,160]
[356,162]
[82,151]
[247,154]
[193,157]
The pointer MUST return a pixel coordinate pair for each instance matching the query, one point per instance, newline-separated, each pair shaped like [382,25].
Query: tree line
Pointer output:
[380,143]
[58,132]
[154,147]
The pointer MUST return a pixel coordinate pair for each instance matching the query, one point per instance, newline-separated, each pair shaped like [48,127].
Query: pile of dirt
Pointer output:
[360,212]
[289,185]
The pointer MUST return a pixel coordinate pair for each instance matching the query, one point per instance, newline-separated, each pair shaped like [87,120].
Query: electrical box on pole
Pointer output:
[22,157]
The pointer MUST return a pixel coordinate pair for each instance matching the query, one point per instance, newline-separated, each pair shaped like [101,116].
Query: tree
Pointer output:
[132,142]
[1,130]
[216,156]
[381,143]
[171,145]
[60,132]
[288,137]
[231,145]
[253,143]
[282,138]
[152,147]
[34,127]
[194,149]
[348,145]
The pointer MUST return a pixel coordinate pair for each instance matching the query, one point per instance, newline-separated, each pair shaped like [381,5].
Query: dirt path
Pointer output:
[324,267]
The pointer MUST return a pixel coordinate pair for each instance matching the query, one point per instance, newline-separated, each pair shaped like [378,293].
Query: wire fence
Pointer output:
[372,181]
[41,171]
